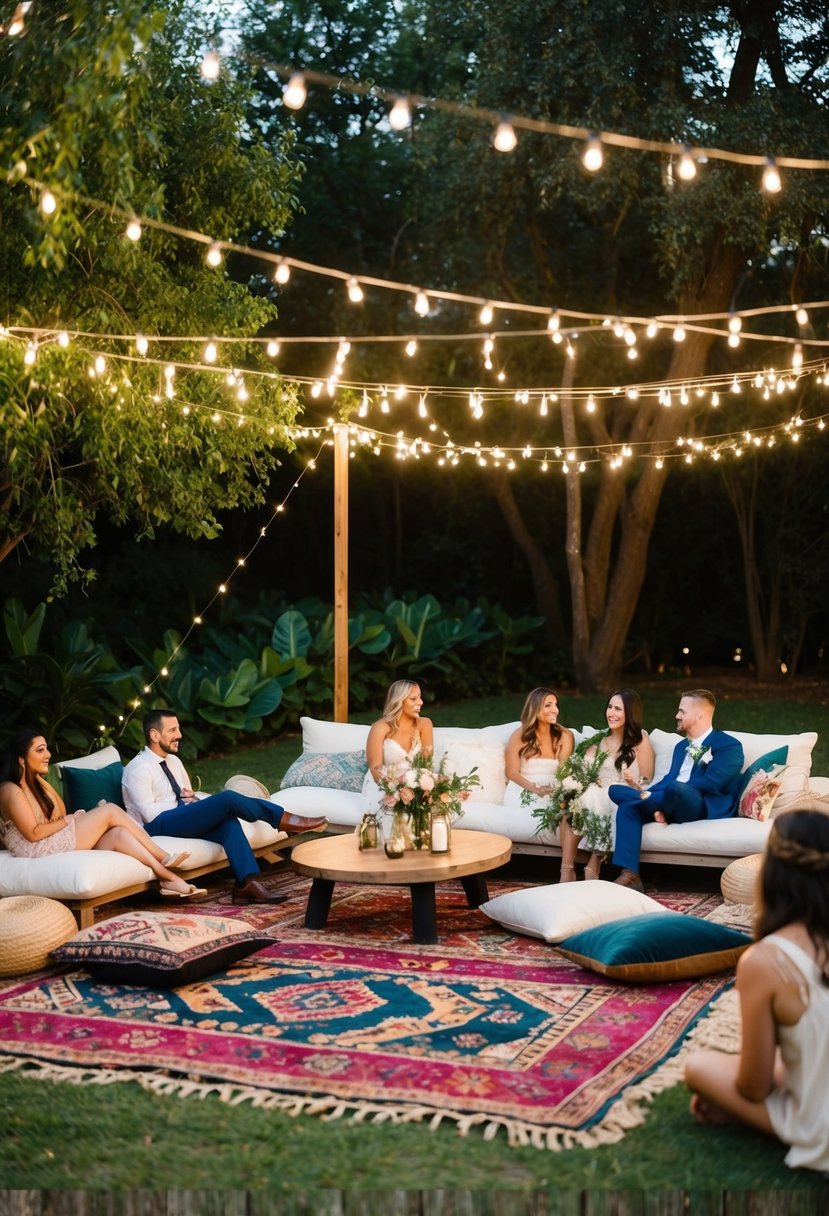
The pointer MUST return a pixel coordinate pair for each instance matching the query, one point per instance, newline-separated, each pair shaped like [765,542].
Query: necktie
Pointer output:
[176,787]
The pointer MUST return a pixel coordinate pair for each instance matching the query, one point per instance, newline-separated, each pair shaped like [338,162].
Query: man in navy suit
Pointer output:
[702,783]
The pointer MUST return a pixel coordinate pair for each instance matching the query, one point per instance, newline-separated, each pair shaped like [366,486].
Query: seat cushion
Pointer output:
[656,949]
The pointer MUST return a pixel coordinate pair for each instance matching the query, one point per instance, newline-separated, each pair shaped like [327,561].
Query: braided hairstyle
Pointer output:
[794,883]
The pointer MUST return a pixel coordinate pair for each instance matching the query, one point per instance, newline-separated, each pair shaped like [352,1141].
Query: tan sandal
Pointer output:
[590,874]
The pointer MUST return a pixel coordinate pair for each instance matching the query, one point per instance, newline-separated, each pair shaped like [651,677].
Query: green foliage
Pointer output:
[109,103]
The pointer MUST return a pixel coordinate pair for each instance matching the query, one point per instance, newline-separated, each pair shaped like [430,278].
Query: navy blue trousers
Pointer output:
[217,818]
[679,802]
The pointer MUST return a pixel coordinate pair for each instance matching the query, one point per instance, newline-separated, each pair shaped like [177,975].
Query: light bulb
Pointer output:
[411,348]
[133,231]
[63,338]
[48,203]
[687,167]
[213,257]
[30,355]
[211,66]
[802,317]
[679,334]
[734,340]
[592,157]
[141,344]
[630,336]
[100,365]
[735,323]
[282,273]
[355,291]
[797,357]
[771,176]
[486,314]
[210,352]
[421,304]
[294,93]
[400,115]
[504,139]
[553,322]
[272,349]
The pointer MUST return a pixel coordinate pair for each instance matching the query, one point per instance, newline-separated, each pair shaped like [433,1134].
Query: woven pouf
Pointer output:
[30,927]
[739,880]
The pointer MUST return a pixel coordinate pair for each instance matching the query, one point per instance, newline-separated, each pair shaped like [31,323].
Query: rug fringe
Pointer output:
[719,1029]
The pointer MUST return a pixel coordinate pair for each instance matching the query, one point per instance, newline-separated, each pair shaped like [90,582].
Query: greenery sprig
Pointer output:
[573,776]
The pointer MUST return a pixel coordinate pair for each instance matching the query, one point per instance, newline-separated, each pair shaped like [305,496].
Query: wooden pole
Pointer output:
[341,574]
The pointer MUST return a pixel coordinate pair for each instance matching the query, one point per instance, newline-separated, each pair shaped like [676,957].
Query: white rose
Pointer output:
[707,757]
[570,783]
[427,781]
[411,778]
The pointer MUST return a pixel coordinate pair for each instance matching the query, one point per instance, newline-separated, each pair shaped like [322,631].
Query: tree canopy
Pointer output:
[106,103]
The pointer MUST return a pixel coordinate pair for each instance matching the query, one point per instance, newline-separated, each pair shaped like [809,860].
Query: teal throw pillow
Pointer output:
[84,788]
[328,770]
[656,948]
[766,762]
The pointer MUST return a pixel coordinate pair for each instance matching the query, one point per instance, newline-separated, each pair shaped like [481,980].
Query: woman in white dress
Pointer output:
[629,758]
[534,750]
[399,735]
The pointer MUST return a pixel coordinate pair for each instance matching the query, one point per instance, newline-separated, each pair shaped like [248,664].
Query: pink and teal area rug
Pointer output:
[484,1029]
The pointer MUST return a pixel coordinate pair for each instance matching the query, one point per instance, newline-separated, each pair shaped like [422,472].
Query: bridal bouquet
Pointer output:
[414,788]
[572,778]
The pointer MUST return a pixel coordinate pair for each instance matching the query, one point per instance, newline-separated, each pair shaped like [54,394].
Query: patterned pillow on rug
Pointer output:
[161,949]
[553,913]
[656,949]
[327,770]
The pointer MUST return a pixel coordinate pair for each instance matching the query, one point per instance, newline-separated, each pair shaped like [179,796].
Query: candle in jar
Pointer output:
[440,839]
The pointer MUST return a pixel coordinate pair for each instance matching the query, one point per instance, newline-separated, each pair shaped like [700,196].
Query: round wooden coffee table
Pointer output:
[334,859]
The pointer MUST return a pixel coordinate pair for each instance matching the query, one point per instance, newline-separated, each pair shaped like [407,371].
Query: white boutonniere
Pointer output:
[699,753]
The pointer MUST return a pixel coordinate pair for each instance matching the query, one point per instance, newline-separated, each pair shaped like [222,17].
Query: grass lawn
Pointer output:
[117,1136]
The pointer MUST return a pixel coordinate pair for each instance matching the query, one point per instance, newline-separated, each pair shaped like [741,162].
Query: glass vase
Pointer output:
[440,832]
[395,839]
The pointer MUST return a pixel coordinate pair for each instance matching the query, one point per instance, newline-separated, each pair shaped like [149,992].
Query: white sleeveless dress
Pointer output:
[539,771]
[799,1113]
[596,798]
[393,755]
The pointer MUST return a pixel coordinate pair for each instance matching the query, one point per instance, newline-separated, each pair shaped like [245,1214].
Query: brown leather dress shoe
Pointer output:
[254,892]
[628,878]
[294,825]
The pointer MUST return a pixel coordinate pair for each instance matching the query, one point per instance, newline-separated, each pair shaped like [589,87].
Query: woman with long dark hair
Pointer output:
[779,1081]
[34,821]
[536,748]
[628,757]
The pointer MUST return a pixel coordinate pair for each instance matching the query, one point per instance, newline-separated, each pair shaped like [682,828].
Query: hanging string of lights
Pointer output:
[219,593]
[560,322]
[402,105]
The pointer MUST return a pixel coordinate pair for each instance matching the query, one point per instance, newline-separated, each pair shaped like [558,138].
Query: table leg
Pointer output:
[476,890]
[424,918]
[319,902]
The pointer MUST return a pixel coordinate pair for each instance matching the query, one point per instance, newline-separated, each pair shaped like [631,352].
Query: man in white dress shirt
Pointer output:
[157,793]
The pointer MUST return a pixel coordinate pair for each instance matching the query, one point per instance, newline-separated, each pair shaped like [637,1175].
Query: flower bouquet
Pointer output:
[414,789]
[572,778]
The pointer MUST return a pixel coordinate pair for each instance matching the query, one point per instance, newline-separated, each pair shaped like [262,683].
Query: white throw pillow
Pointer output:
[318,736]
[553,913]
[487,756]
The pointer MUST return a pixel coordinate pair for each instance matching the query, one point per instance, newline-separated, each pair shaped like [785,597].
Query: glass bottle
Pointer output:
[395,843]
[440,832]
[368,834]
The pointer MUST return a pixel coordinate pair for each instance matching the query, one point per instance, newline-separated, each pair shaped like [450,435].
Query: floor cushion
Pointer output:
[556,912]
[29,928]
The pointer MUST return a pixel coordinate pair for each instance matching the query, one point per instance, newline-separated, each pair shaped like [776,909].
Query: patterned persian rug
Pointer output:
[485,1029]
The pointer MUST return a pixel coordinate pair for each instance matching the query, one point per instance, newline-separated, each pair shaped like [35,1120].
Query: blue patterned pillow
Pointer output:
[656,948]
[328,770]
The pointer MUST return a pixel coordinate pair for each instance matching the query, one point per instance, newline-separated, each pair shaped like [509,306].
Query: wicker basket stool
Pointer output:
[739,880]
[30,927]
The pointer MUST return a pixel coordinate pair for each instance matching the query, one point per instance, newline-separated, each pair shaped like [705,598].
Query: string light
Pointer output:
[355,291]
[411,348]
[272,349]
[400,116]
[211,66]
[48,203]
[141,344]
[486,314]
[771,176]
[63,339]
[133,231]
[687,167]
[210,353]
[592,157]
[421,304]
[504,139]
[282,273]
[295,92]
[213,257]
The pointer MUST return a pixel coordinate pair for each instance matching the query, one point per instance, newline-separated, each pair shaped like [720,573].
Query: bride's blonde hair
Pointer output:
[395,697]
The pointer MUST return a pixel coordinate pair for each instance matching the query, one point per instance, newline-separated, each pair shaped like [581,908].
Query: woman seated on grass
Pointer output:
[780,1080]
[534,750]
[34,821]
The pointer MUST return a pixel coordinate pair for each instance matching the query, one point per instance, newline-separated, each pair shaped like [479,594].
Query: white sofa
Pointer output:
[86,878]
[706,843]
